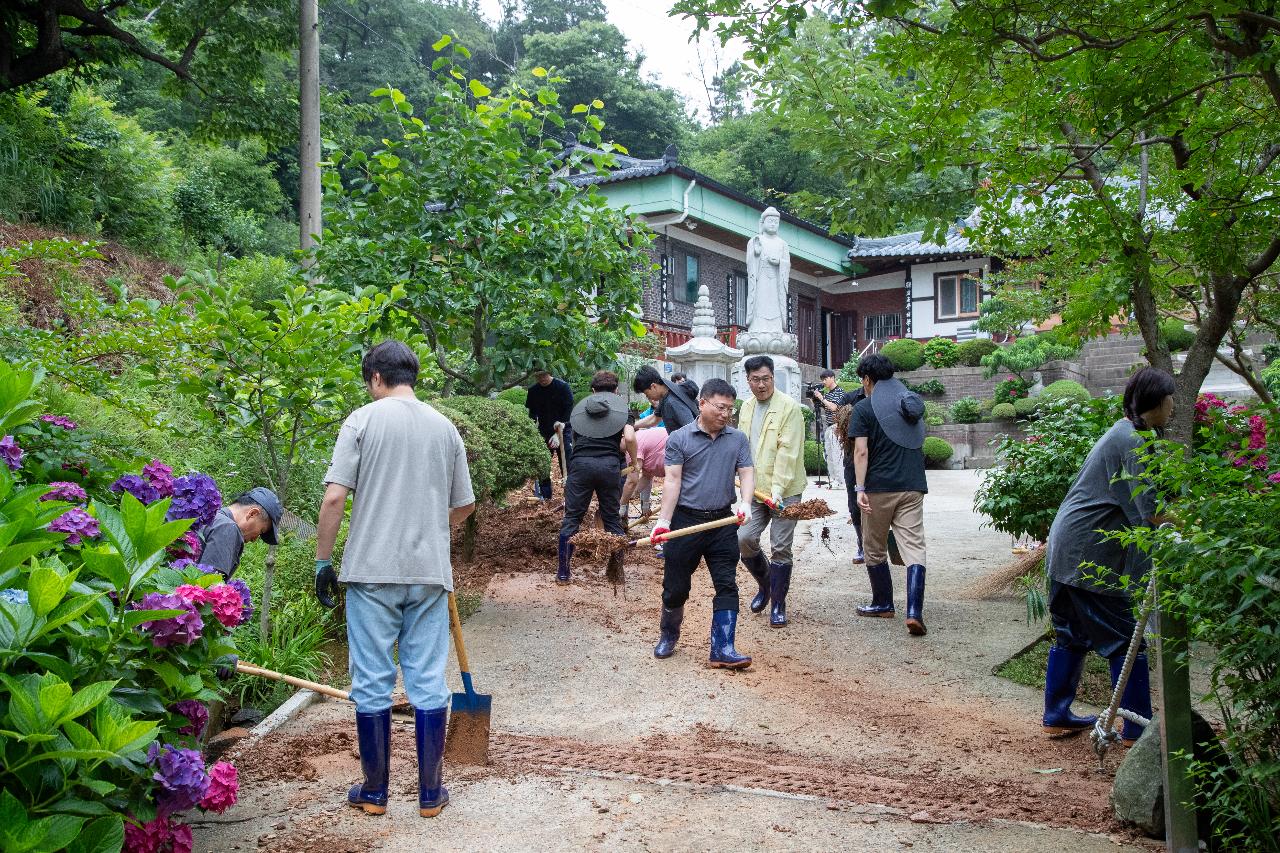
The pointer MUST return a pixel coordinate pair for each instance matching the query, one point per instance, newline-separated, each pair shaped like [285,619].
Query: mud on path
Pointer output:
[867,736]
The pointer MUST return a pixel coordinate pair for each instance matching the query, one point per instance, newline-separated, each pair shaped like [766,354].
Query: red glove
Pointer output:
[660,530]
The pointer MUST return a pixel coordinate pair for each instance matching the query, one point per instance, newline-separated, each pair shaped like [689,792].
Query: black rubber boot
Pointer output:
[1061,678]
[668,632]
[881,593]
[759,568]
[373,731]
[564,553]
[915,601]
[724,625]
[433,796]
[779,584]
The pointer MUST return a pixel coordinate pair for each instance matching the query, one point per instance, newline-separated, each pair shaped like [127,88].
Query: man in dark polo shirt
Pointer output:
[672,401]
[252,515]
[701,461]
[887,429]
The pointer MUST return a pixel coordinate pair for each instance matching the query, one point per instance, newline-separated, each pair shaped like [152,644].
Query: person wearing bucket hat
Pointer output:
[603,440]
[251,516]
[888,433]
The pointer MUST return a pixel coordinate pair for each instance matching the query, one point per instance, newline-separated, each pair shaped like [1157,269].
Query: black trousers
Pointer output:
[1083,620]
[544,485]
[681,557]
[592,475]
[850,478]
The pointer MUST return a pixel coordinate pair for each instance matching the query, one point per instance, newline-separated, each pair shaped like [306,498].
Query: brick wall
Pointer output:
[959,382]
[972,442]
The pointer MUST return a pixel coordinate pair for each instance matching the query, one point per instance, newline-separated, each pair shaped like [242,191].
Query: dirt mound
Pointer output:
[807,510]
[40,292]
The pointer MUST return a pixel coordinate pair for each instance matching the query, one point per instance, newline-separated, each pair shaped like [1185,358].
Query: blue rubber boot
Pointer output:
[915,601]
[433,796]
[1061,678]
[668,632]
[1137,693]
[881,593]
[373,731]
[564,553]
[724,624]
[759,568]
[779,584]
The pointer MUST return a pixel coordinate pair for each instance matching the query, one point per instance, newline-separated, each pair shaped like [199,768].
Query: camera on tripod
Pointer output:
[810,388]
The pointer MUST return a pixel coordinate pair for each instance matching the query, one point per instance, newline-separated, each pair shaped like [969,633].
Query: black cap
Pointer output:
[265,498]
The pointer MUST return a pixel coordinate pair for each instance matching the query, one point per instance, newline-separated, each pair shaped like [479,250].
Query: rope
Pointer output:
[1104,734]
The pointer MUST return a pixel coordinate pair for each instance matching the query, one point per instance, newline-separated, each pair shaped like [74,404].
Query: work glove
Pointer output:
[777,499]
[554,442]
[660,529]
[326,583]
[743,512]
[227,667]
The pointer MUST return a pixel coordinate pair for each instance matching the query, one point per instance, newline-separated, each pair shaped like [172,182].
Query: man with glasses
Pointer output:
[776,427]
[701,461]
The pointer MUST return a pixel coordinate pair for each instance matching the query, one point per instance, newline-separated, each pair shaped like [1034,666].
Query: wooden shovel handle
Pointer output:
[455,628]
[697,528]
[564,464]
[767,500]
[253,669]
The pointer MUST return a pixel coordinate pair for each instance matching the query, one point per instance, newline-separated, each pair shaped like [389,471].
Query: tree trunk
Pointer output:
[1215,322]
[264,615]
[470,528]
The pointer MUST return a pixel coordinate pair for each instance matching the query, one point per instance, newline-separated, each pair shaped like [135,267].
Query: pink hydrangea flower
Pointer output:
[224,788]
[160,476]
[161,835]
[192,594]
[1274,477]
[228,607]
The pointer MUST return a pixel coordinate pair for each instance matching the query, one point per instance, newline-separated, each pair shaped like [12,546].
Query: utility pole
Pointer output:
[309,131]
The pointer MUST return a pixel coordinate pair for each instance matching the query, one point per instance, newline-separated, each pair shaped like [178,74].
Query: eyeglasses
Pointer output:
[760,380]
[721,408]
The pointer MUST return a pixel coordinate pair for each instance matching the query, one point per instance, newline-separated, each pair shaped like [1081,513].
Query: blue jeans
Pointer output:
[379,615]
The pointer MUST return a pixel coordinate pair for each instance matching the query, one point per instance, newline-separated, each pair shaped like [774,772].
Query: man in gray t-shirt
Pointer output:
[407,466]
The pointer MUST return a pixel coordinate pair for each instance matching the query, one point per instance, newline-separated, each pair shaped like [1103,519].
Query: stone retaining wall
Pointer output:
[969,382]
[972,442]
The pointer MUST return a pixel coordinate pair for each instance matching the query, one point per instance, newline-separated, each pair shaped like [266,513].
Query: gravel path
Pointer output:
[845,733]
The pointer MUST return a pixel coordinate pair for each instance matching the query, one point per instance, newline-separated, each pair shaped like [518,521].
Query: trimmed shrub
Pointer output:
[1175,335]
[1271,352]
[515,396]
[905,354]
[934,420]
[1004,411]
[1010,388]
[813,460]
[936,451]
[1064,389]
[928,388]
[1026,407]
[935,410]
[966,410]
[985,405]
[1028,353]
[941,352]
[514,451]
[970,353]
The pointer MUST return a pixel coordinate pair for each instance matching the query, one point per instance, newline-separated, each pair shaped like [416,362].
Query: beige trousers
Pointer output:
[904,512]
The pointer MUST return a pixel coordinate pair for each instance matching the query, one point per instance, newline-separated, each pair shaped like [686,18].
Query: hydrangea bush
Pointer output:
[109,646]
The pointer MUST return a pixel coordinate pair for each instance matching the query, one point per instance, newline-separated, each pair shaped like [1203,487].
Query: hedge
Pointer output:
[970,353]
[814,463]
[1064,389]
[905,354]
[941,352]
[936,451]
[966,410]
[1004,411]
[1026,406]
[504,449]
[1175,335]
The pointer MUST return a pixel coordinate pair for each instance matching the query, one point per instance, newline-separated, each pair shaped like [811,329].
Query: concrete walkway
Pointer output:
[845,734]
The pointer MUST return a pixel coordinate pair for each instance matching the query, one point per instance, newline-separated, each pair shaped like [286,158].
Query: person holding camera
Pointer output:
[828,400]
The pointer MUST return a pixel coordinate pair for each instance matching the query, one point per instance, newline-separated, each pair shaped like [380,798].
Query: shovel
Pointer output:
[686,531]
[467,738]
[323,689]
[564,462]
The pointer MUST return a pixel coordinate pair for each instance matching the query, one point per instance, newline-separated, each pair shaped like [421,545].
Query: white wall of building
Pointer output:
[923,324]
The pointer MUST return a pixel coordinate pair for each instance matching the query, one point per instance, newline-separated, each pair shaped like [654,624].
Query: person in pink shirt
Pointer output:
[651,444]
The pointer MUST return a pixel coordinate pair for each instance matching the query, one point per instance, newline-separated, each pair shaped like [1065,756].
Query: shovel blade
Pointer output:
[467,737]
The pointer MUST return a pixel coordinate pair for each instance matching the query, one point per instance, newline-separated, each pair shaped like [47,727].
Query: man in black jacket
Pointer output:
[549,402]
[672,402]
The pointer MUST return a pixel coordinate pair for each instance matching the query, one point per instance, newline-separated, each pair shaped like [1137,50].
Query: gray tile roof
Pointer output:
[912,243]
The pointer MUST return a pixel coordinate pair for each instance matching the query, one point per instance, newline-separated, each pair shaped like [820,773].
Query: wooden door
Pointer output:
[807,330]
[844,330]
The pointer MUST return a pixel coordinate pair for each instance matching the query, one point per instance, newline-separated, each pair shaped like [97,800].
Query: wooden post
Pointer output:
[1174,685]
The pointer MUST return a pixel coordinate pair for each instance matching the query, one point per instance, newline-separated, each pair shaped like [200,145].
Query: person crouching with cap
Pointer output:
[603,440]
[887,429]
[251,516]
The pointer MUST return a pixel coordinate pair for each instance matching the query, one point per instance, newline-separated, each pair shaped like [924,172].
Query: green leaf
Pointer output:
[134,618]
[46,588]
[478,89]
[579,108]
[598,104]
[84,700]
[539,71]
[104,835]
[443,42]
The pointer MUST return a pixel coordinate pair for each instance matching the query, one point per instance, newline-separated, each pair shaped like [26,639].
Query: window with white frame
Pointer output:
[956,296]
[883,326]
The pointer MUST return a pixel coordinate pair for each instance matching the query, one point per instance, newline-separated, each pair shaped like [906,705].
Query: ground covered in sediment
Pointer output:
[844,734]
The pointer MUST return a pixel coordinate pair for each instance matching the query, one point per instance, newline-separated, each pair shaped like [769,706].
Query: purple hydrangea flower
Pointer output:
[184,628]
[59,420]
[77,523]
[182,777]
[136,486]
[196,713]
[160,476]
[195,496]
[63,491]
[246,597]
[11,453]
[186,547]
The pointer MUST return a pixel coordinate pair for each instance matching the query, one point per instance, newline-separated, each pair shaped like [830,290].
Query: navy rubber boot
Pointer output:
[668,632]
[724,624]
[779,584]
[564,553]
[1061,678]
[759,568]
[433,796]
[1137,693]
[915,601]
[881,592]
[373,731]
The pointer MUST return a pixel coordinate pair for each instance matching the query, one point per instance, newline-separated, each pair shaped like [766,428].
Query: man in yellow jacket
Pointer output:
[774,423]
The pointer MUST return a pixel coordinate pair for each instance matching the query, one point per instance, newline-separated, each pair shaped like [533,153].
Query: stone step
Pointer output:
[1110,373]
